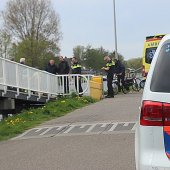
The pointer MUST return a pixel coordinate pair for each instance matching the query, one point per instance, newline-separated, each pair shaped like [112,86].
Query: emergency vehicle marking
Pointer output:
[167,139]
[153,44]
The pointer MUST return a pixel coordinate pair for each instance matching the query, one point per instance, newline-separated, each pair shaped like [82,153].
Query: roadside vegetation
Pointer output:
[27,119]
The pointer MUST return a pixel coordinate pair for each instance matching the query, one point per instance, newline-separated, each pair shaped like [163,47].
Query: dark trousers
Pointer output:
[109,85]
[66,84]
[121,79]
[78,84]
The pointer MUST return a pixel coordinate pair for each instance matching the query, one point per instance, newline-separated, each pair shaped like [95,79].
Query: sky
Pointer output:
[91,22]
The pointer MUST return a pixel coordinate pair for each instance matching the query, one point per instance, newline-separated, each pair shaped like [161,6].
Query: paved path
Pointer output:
[97,137]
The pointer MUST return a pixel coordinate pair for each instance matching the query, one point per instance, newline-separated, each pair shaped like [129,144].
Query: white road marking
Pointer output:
[39,129]
[113,127]
[90,128]
[104,125]
[68,129]
[23,134]
[82,126]
[126,124]
[57,128]
[134,127]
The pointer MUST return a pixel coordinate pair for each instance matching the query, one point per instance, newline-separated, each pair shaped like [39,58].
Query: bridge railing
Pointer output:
[25,79]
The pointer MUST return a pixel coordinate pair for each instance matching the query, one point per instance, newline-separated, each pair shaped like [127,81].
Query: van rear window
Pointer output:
[161,75]
[149,54]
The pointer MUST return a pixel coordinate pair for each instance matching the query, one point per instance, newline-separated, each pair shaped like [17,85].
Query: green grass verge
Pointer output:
[27,119]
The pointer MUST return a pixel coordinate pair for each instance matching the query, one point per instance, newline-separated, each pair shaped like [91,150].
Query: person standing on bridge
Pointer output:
[51,67]
[64,68]
[22,61]
[110,70]
[76,69]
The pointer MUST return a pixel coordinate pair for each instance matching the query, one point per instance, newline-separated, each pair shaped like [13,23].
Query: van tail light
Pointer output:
[155,114]
[151,114]
[166,112]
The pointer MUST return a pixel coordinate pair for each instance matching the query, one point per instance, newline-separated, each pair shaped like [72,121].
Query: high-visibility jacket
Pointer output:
[76,68]
[111,66]
[119,67]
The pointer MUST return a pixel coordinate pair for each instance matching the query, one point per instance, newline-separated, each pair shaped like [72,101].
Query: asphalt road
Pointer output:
[97,137]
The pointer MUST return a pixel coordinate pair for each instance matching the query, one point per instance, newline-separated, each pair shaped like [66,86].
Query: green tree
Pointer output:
[35,26]
[5,44]
[134,63]
[42,49]
[78,52]
[93,57]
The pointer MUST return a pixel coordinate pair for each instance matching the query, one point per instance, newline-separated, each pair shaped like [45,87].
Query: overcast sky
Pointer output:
[90,22]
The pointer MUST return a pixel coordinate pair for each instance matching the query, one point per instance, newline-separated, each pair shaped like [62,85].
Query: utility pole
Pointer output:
[115,32]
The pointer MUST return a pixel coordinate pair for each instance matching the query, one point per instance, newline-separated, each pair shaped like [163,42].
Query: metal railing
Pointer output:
[25,79]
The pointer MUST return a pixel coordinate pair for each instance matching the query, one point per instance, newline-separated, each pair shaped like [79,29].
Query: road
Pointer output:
[97,137]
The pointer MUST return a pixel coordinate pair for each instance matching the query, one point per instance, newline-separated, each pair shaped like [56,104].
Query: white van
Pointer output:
[152,138]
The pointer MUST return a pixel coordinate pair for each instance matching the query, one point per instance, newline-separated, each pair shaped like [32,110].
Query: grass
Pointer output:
[27,119]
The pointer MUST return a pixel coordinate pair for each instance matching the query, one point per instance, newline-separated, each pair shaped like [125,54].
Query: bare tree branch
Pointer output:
[32,18]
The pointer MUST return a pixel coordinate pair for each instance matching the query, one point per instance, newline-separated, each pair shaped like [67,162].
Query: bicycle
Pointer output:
[136,81]
[129,82]
[142,83]
[115,85]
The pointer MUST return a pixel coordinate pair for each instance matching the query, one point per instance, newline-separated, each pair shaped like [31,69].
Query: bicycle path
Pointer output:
[97,137]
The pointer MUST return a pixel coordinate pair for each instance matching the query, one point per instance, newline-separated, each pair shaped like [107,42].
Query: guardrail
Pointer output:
[24,79]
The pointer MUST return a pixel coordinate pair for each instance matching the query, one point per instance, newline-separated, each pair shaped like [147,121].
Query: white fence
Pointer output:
[33,81]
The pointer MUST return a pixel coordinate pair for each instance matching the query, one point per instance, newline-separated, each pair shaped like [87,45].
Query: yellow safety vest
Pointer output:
[112,63]
[76,66]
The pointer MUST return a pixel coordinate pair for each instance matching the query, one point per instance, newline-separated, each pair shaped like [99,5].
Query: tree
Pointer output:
[134,63]
[93,57]
[5,44]
[42,49]
[33,23]
[78,52]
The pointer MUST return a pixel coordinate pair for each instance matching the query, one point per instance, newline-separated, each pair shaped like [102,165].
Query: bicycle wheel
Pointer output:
[142,84]
[125,89]
[115,88]
[138,80]
[136,86]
